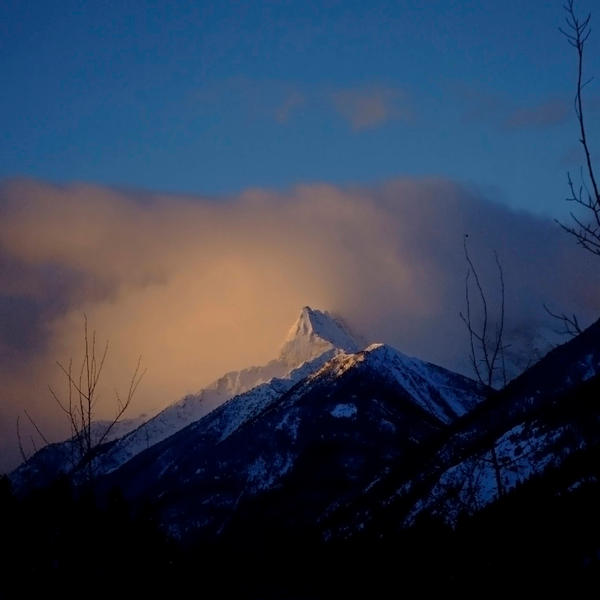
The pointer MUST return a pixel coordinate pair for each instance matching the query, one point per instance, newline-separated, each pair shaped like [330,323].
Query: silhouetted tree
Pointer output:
[79,405]
[585,226]
[586,229]
[486,345]
[485,338]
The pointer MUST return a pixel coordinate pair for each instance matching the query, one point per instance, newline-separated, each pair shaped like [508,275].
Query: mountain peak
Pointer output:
[313,333]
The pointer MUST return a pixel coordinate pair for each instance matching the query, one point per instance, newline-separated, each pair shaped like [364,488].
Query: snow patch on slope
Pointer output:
[470,485]
[343,411]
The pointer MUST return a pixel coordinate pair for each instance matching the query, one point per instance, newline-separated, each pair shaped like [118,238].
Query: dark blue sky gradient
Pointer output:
[216,97]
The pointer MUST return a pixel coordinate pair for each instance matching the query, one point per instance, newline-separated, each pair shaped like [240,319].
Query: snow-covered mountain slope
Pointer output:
[115,430]
[313,339]
[532,437]
[220,422]
[440,392]
[543,420]
[340,424]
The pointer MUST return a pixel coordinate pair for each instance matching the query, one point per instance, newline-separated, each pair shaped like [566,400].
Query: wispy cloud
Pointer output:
[369,107]
[538,116]
[504,113]
[363,107]
[480,104]
[293,101]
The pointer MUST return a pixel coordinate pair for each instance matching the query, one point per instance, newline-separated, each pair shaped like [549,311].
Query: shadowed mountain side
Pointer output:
[318,443]
[536,423]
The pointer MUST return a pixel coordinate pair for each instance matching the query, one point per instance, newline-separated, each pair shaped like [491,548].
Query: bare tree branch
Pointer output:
[20,441]
[587,234]
[36,427]
[486,351]
[570,324]
[136,378]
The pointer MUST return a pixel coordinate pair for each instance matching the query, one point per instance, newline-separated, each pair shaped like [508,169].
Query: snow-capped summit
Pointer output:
[314,338]
[313,333]
[439,392]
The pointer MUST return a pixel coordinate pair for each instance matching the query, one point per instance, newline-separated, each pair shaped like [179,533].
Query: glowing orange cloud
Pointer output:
[201,286]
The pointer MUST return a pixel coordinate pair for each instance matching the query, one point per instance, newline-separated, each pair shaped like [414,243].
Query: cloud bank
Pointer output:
[200,286]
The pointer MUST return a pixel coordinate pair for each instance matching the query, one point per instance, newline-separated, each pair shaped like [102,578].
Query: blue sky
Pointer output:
[216,97]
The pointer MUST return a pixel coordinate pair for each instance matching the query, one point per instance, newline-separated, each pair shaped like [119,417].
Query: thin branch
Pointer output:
[498,348]
[484,346]
[70,412]
[36,427]
[136,378]
[71,381]
[472,335]
[570,324]
[486,351]
[20,441]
